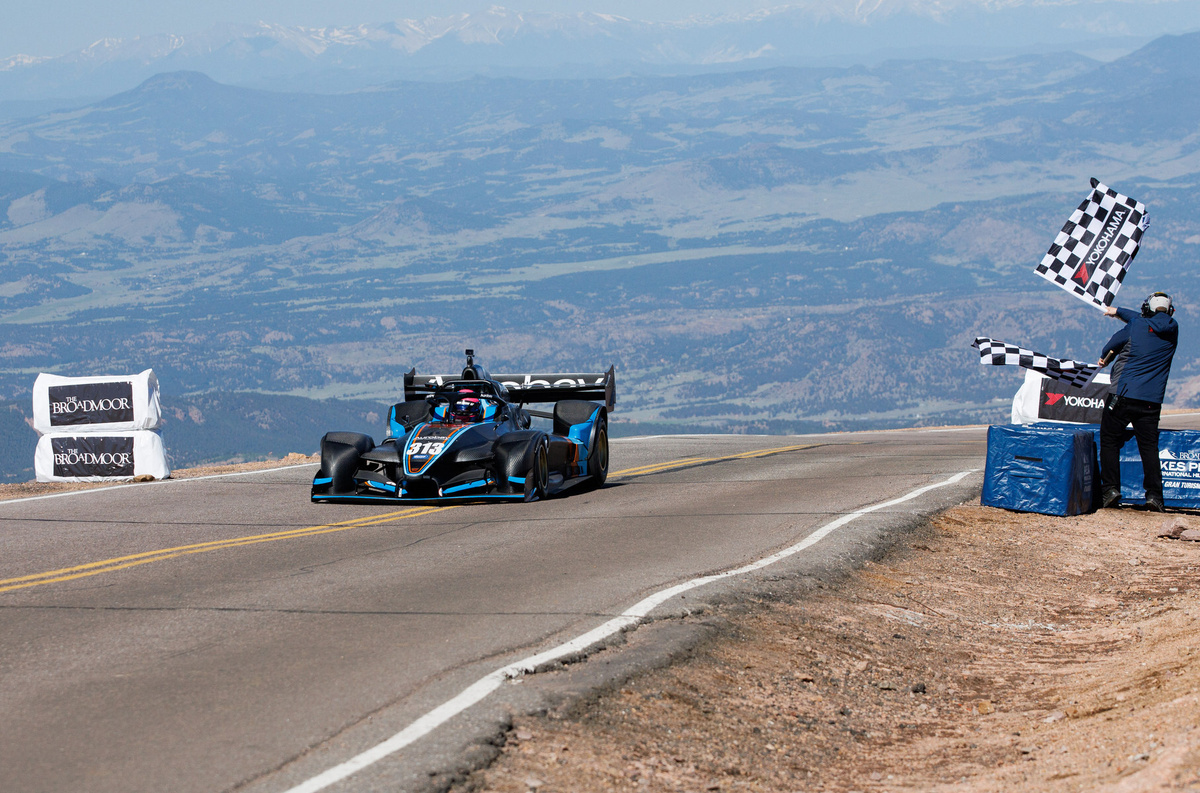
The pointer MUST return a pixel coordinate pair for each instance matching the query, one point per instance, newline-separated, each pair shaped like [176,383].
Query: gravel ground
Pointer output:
[992,651]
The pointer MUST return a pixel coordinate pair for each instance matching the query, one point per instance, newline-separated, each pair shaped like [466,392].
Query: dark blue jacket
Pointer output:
[1152,343]
[1119,343]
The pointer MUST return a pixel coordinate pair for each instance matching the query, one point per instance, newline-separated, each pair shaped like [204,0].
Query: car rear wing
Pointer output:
[524,388]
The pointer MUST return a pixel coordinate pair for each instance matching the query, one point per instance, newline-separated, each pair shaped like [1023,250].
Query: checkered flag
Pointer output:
[998,353]
[1092,253]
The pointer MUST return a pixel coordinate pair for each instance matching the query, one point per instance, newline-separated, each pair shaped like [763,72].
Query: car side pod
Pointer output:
[571,413]
[585,423]
[339,461]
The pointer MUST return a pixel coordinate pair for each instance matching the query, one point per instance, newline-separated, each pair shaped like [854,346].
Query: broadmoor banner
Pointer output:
[97,458]
[96,404]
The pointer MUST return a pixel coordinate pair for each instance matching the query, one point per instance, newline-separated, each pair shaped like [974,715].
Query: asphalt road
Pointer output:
[222,634]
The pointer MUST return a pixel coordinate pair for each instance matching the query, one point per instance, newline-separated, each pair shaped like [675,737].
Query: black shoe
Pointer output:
[1155,504]
[1111,498]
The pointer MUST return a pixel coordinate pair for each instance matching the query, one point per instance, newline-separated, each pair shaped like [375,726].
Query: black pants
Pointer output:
[1120,412]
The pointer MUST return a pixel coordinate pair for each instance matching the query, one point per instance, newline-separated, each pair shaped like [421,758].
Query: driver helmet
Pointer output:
[466,409]
[1159,301]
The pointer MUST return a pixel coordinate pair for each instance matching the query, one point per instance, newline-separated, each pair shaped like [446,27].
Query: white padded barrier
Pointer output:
[96,404]
[104,457]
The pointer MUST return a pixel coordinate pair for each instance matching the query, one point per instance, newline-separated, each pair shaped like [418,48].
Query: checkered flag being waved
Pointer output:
[998,353]
[1092,253]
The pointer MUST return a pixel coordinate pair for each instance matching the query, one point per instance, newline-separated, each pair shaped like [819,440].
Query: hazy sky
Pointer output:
[55,27]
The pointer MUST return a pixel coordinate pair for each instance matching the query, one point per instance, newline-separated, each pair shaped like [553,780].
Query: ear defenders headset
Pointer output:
[1159,301]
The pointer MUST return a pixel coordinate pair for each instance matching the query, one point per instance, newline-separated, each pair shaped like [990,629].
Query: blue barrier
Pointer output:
[1039,468]
[1178,456]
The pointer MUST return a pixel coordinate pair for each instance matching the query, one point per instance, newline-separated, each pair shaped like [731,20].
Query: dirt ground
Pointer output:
[992,651]
[23,489]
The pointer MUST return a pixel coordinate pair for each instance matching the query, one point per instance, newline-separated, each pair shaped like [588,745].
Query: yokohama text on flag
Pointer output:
[1092,253]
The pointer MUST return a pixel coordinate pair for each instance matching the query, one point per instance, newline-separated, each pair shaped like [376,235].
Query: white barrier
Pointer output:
[97,429]
[80,405]
[93,457]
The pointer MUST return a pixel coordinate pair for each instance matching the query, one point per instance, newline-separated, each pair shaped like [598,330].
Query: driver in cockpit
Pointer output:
[467,408]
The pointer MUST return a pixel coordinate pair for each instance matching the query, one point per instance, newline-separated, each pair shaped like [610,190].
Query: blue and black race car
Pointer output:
[470,437]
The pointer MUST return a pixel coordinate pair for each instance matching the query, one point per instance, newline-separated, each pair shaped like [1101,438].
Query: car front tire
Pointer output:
[538,475]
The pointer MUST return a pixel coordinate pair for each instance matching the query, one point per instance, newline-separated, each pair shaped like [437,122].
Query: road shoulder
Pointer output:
[986,651]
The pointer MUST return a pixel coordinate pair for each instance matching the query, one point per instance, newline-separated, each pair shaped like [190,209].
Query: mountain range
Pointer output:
[775,250]
[503,42]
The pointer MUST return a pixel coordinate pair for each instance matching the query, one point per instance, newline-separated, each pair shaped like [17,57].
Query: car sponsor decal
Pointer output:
[427,444]
[522,381]
[535,381]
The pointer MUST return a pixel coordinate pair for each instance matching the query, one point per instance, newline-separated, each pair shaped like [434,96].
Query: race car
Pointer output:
[471,437]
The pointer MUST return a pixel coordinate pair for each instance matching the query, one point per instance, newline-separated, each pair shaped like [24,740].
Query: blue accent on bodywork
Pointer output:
[402,499]
[580,434]
[517,480]
[465,486]
[379,485]
[582,431]
[324,480]
[367,497]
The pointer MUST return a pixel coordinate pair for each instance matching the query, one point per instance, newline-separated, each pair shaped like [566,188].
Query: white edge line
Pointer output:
[629,618]
[158,482]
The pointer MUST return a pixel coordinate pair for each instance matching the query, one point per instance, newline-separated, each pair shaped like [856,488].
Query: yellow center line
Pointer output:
[768,452]
[162,554]
[280,534]
[134,560]
[639,470]
[655,468]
